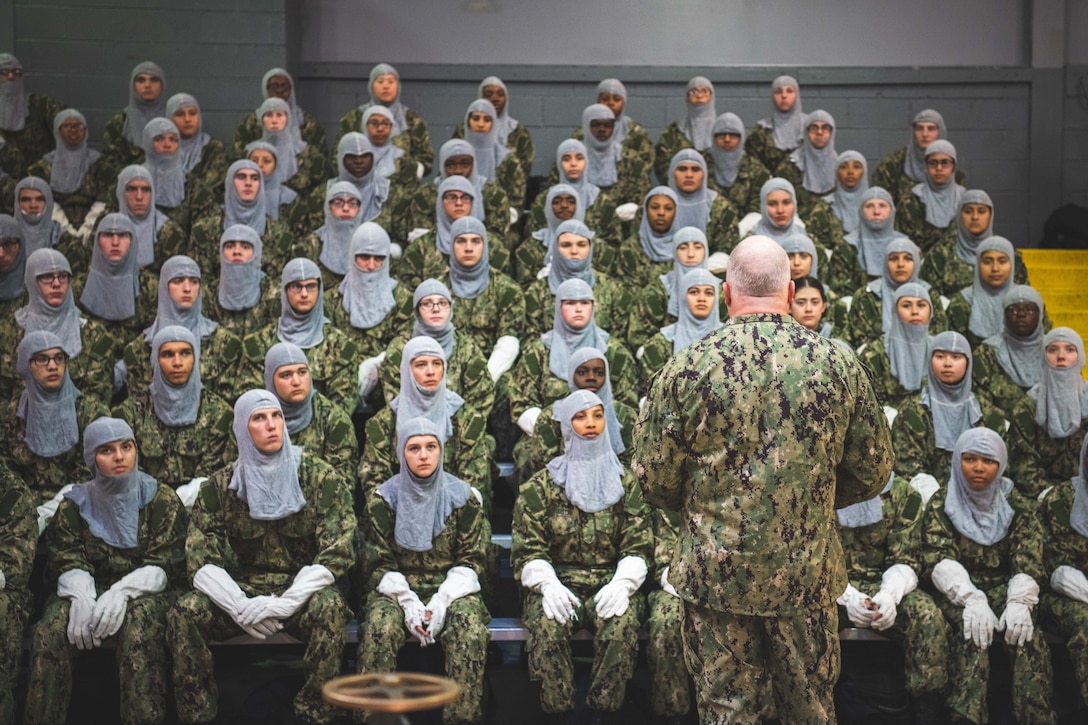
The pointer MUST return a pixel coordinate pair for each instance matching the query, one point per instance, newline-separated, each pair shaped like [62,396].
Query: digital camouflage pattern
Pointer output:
[36,138]
[465,541]
[987,374]
[1055,460]
[424,203]
[264,557]
[98,185]
[533,385]
[650,312]
[887,387]
[466,372]
[703,447]
[141,641]
[415,140]
[18,539]
[584,549]
[915,443]
[278,246]
[1065,546]
[612,302]
[176,455]
[632,176]
[865,321]
[250,129]
[910,219]
[670,687]
[949,274]
[991,568]
[519,142]
[760,145]
[330,436]
[46,476]
[919,627]
[638,140]
[744,192]
[311,215]
[243,322]
[498,311]
[334,363]
[422,260]
[890,176]
[958,314]
[220,354]
[373,341]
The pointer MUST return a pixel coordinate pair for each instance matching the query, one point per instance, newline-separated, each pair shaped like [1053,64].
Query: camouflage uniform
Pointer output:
[949,274]
[330,435]
[421,215]
[915,444]
[1052,460]
[466,542]
[466,372]
[532,383]
[334,363]
[46,476]
[760,145]
[18,537]
[600,217]
[415,140]
[865,321]
[632,174]
[220,354]
[611,309]
[422,260]
[250,129]
[651,357]
[532,453]
[744,192]
[919,626]
[468,452]
[519,142]
[36,139]
[7,184]
[243,322]
[910,219]
[583,549]
[889,391]
[264,557]
[670,692]
[372,342]
[1065,546]
[823,227]
[311,215]
[991,568]
[98,185]
[115,146]
[313,164]
[141,641]
[987,374]
[278,246]
[637,140]
[498,311]
[958,314]
[175,455]
[757,564]
[672,140]
[889,174]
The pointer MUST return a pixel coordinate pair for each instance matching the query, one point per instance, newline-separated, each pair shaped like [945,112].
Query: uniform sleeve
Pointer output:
[529,531]
[938,536]
[64,542]
[18,530]
[167,525]
[377,556]
[867,452]
[661,455]
[913,440]
[1027,537]
[638,531]
[904,544]
[335,521]
[473,537]
[666,532]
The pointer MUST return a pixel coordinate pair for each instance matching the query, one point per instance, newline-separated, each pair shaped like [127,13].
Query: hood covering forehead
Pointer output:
[692,209]
[39,230]
[166,169]
[1061,398]
[235,209]
[112,286]
[987,311]
[818,167]
[50,415]
[490,151]
[139,112]
[368,296]
[175,405]
[336,233]
[787,127]
[437,405]
[11,281]
[14,104]
[169,312]
[953,406]
[658,247]
[563,339]
[297,415]
[305,329]
[563,268]
[696,125]
[914,166]
[982,516]
[193,146]
[906,345]
[967,242]
[239,285]
[470,282]
[846,203]
[267,482]
[579,358]
[63,320]
[69,163]
[727,163]
[589,472]
[941,201]
[873,238]
[688,328]
[147,226]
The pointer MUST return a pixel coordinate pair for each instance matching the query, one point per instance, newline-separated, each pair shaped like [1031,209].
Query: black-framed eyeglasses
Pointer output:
[41,360]
[51,277]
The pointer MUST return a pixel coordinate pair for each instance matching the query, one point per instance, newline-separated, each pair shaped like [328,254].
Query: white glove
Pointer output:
[420,170]
[1023,594]
[665,583]
[1071,582]
[109,610]
[979,621]
[395,250]
[527,420]
[61,217]
[77,585]
[309,579]
[395,586]
[745,225]
[513,215]
[544,271]
[641,404]
[460,582]
[3,581]
[87,228]
[891,414]
[897,582]
[858,607]
[220,587]
[718,263]
[559,602]
[626,212]
[926,485]
[368,374]
[188,492]
[503,356]
[614,597]
[120,375]
[416,234]
[48,510]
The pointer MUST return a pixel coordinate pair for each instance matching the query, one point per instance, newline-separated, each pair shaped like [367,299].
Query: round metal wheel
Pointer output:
[390,692]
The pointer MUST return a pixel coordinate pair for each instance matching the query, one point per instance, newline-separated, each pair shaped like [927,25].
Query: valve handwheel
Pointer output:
[390,692]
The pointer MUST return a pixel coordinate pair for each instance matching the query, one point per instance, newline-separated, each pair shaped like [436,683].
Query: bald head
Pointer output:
[758,278]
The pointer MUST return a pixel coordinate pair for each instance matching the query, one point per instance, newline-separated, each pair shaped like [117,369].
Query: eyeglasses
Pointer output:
[11,73]
[51,278]
[9,245]
[940,163]
[72,126]
[820,127]
[310,287]
[41,360]
[455,198]
[369,257]
[439,305]
[380,125]
[345,203]
[699,92]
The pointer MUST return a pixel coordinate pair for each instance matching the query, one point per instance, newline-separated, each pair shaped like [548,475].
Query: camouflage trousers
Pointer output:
[615,650]
[921,630]
[670,685]
[14,612]
[195,620]
[737,660]
[1032,672]
[1068,618]
[140,656]
[463,640]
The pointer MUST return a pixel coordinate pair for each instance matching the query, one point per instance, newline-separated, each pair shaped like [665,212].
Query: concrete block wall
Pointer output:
[988,122]
[82,52]
[1075,136]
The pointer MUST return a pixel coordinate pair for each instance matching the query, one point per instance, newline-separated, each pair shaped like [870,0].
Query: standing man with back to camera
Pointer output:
[756,434]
